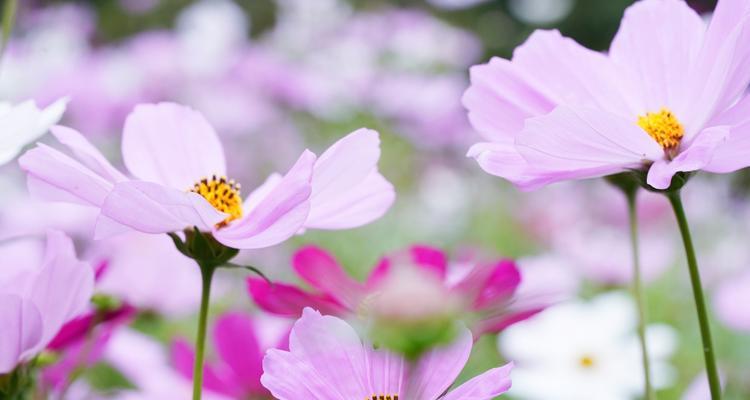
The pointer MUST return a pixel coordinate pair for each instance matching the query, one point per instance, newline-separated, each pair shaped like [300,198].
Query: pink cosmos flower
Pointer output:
[328,361]
[178,182]
[484,290]
[667,98]
[241,342]
[36,303]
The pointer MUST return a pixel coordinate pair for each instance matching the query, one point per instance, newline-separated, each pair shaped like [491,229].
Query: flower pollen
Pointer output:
[223,194]
[586,362]
[663,127]
[382,397]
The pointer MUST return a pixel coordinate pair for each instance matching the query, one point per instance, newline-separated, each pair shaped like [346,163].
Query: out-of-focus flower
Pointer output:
[37,302]
[240,342]
[699,389]
[327,360]
[582,350]
[483,290]
[664,100]
[541,12]
[23,123]
[730,302]
[145,364]
[179,166]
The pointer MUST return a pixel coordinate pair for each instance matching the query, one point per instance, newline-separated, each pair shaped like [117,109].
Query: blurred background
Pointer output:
[277,76]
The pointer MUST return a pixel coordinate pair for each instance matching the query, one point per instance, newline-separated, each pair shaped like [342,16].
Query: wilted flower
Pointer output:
[327,360]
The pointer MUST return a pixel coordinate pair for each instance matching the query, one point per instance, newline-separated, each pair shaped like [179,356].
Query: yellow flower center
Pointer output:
[664,127]
[223,195]
[586,362]
[382,397]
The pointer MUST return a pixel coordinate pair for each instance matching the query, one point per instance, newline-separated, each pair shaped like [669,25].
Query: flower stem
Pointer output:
[9,18]
[207,273]
[638,292]
[700,302]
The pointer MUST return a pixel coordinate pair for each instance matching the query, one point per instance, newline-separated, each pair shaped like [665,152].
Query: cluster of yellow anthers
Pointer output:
[223,194]
[664,127]
[383,397]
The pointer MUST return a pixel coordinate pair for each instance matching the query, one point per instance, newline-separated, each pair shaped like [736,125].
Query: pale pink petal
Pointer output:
[656,42]
[571,74]
[347,190]
[62,288]
[322,272]
[387,372]
[503,159]
[485,386]
[55,176]
[290,377]
[501,97]
[723,69]
[87,154]
[152,208]
[438,369]
[260,193]
[279,215]
[576,143]
[730,300]
[238,347]
[289,301]
[171,144]
[695,157]
[731,155]
[22,329]
[334,350]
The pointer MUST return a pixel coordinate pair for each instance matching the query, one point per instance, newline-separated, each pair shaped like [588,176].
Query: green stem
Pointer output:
[9,18]
[700,302]
[207,273]
[638,292]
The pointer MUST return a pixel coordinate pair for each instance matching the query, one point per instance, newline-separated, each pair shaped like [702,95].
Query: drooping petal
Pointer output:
[436,371]
[657,39]
[347,190]
[577,143]
[238,347]
[333,349]
[289,301]
[503,159]
[321,271]
[280,214]
[55,176]
[695,157]
[22,329]
[87,154]
[171,144]
[152,208]
[485,386]
[62,288]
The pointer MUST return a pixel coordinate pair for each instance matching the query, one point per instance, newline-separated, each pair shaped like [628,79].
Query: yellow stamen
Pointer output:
[664,127]
[382,397]
[586,362]
[222,194]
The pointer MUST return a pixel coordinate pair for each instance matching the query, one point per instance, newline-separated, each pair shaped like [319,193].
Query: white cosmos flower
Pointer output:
[23,123]
[586,351]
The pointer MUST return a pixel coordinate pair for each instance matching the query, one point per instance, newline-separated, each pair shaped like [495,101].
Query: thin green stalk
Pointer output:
[638,292]
[207,273]
[9,18]
[700,301]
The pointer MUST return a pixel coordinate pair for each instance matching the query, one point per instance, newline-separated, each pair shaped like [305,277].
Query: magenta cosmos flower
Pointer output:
[178,182]
[486,291]
[36,303]
[667,98]
[241,342]
[328,361]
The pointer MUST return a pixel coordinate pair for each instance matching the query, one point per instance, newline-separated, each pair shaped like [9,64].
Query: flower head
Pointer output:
[667,98]
[327,360]
[178,182]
